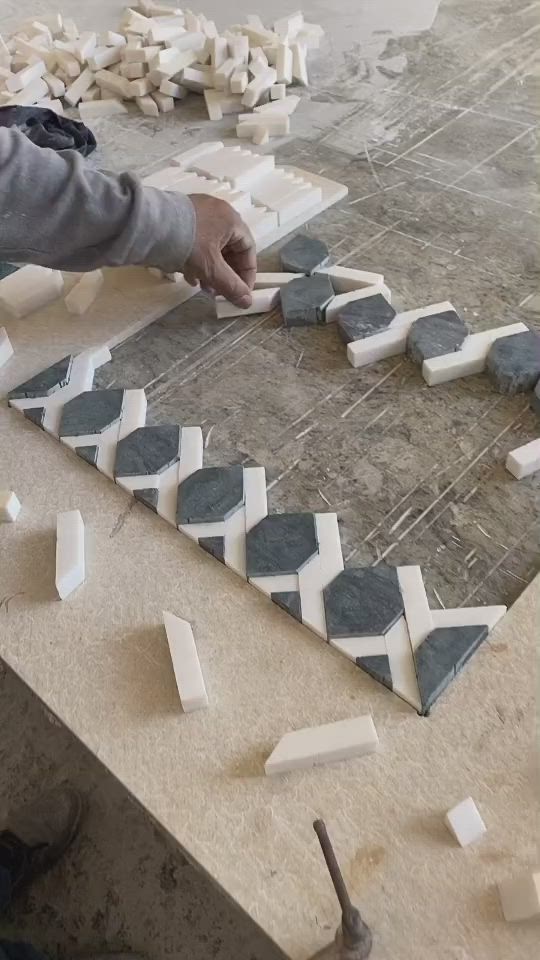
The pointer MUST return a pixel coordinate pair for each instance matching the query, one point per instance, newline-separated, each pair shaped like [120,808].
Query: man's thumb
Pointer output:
[227,283]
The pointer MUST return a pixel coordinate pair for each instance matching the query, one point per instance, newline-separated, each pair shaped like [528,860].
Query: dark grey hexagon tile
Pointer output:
[441,656]
[149,496]
[535,400]
[147,451]
[290,602]
[88,453]
[303,301]
[303,254]
[91,412]
[513,363]
[44,383]
[436,335]
[210,494]
[215,546]
[35,415]
[362,602]
[281,543]
[364,317]
[378,667]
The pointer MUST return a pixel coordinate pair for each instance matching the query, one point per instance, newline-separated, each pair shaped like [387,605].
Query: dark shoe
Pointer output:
[40,832]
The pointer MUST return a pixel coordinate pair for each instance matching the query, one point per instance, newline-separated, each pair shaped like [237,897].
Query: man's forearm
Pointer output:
[58,212]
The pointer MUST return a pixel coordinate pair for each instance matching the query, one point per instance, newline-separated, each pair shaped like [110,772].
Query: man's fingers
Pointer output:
[226,282]
[190,278]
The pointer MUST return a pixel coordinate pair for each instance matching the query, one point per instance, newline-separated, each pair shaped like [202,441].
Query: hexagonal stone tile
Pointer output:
[44,383]
[303,301]
[436,335]
[147,450]
[363,602]
[303,254]
[210,494]
[513,363]
[281,543]
[91,412]
[364,317]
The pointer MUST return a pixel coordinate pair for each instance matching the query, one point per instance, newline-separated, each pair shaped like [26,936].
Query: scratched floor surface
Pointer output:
[436,144]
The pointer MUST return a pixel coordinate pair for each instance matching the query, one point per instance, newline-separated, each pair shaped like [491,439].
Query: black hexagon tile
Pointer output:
[513,363]
[363,602]
[147,451]
[441,656]
[45,383]
[210,494]
[436,335]
[91,412]
[364,317]
[280,544]
[303,301]
[303,254]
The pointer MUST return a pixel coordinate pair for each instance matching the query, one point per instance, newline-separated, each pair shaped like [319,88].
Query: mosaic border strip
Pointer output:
[378,617]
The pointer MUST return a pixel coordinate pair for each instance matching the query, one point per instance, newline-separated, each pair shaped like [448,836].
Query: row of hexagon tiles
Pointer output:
[308,579]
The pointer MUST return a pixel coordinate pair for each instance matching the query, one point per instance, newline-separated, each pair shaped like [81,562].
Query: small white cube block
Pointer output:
[10,506]
[524,460]
[301,749]
[30,288]
[465,822]
[520,897]
[81,297]
[186,663]
[70,562]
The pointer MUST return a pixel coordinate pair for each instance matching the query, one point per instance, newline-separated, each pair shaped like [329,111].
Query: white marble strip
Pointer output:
[468,616]
[133,412]
[417,612]
[70,559]
[341,300]
[318,572]
[138,483]
[470,359]
[400,656]
[353,647]
[255,496]
[524,460]
[234,552]
[301,749]
[186,663]
[6,350]
[191,452]
[345,279]
[196,530]
[393,340]
[168,493]
[280,583]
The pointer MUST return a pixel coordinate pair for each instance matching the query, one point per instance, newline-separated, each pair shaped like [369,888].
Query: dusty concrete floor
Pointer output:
[124,884]
[443,202]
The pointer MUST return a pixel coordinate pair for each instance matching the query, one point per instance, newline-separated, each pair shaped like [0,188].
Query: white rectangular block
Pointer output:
[301,749]
[70,562]
[148,106]
[6,350]
[10,506]
[346,280]
[520,897]
[468,616]
[263,280]
[104,57]
[196,79]
[18,81]
[81,297]
[275,126]
[417,612]
[264,300]
[189,157]
[465,823]
[524,460]
[239,81]
[164,103]
[278,91]
[284,63]
[258,86]
[92,110]
[79,86]
[299,64]
[186,663]
[288,106]
[29,289]
[336,305]
[35,91]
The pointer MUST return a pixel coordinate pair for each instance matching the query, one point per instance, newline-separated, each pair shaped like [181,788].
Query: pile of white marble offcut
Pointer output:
[158,54]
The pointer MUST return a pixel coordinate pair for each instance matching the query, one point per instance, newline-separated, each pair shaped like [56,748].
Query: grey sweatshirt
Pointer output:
[57,212]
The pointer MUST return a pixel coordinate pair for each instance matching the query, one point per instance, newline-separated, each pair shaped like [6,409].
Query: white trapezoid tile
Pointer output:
[354,647]
[319,572]
[468,617]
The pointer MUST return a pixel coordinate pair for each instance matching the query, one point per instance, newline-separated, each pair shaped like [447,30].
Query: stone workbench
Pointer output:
[100,662]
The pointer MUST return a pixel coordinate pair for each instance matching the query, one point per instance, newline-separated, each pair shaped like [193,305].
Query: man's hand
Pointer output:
[223,259]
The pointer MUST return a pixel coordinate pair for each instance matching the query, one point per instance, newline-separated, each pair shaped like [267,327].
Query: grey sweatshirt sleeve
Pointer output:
[57,212]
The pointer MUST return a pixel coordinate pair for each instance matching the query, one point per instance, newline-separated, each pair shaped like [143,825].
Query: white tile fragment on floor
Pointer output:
[520,897]
[6,350]
[29,289]
[10,506]
[465,823]
[343,740]
[70,560]
[81,297]
[186,663]
[525,460]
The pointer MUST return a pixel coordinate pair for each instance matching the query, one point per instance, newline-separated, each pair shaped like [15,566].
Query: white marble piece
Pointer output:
[186,663]
[354,647]
[319,571]
[342,740]
[346,280]
[10,506]
[6,350]
[392,341]
[280,583]
[29,289]
[520,897]
[255,496]
[465,823]
[263,300]
[525,460]
[399,651]
[70,553]
[81,297]
[417,612]
[133,412]
[191,452]
[336,305]
[468,616]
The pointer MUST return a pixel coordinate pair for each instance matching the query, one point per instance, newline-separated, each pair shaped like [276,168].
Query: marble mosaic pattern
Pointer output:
[378,617]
